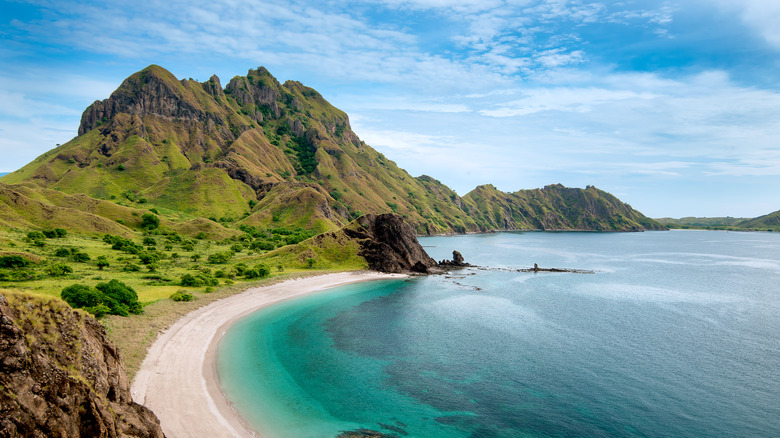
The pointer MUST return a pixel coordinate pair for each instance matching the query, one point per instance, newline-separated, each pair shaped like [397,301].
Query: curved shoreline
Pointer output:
[178,379]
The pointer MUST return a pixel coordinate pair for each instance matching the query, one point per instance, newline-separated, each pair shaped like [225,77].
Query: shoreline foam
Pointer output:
[178,378]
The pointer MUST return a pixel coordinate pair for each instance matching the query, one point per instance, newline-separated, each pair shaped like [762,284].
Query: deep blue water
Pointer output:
[676,334]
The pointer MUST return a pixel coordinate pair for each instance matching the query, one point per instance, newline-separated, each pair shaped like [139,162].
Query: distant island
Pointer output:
[769,222]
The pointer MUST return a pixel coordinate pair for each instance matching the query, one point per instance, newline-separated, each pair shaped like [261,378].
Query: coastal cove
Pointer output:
[177,379]
[675,334]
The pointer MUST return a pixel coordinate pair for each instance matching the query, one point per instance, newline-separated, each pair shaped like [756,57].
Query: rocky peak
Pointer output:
[213,86]
[254,89]
[153,90]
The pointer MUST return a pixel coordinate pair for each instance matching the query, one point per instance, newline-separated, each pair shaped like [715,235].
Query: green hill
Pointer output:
[767,222]
[258,152]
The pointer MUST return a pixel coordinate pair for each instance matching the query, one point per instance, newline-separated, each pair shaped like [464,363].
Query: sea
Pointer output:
[673,334]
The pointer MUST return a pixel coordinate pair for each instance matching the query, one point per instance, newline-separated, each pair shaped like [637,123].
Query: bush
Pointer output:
[198,280]
[150,221]
[113,297]
[310,262]
[81,257]
[13,261]
[191,280]
[149,257]
[57,232]
[262,245]
[259,271]
[130,267]
[80,295]
[181,296]
[125,297]
[62,252]
[102,262]
[219,258]
[35,235]
[59,269]
[149,241]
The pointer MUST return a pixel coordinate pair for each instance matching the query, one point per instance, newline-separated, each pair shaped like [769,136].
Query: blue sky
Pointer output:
[672,106]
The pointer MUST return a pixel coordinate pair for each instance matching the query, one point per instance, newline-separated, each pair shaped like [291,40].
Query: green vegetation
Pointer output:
[113,297]
[181,296]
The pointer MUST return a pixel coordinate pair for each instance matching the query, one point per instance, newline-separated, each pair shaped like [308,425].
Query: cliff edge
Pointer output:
[60,376]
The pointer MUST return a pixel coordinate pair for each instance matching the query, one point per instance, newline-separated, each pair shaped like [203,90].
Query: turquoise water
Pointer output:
[676,334]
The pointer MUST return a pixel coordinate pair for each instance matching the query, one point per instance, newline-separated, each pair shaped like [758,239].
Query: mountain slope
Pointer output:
[263,153]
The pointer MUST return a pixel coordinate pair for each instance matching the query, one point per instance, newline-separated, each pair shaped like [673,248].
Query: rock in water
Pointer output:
[457,258]
[61,376]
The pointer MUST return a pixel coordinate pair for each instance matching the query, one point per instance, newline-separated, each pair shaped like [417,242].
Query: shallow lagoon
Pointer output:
[676,334]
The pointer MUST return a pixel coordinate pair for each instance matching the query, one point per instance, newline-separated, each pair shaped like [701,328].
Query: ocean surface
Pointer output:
[676,334]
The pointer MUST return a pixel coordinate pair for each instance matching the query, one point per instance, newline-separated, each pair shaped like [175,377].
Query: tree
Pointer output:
[102,262]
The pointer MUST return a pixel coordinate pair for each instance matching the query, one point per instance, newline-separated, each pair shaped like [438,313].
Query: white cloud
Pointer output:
[762,16]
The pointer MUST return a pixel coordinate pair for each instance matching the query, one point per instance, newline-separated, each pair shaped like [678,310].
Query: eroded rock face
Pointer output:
[62,377]
[388,244]
[151,91]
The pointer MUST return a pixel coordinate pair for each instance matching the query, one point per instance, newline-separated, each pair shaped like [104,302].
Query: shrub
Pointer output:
[35,235]
[131,267]
[125,297]
[262,245]
[259,271]
[149,257]
[219,258]
[59,269]
[62,252]
[150,221]
[102,262]
[113,297]
[149,241]
[198,280]
[81,257]
[310,262]
[80,295]
[191,280]
[181,296]
[13,261]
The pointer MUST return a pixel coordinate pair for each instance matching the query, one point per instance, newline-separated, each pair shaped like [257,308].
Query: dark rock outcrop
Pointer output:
[457,261]
[389,244]
[60,376]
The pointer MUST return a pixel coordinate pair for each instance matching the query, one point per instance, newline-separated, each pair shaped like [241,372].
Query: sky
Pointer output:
[673,106]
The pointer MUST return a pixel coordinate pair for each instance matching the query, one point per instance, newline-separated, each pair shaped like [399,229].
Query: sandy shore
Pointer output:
[178,378]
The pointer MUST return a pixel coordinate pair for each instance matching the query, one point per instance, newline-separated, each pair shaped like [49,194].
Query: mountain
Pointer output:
[258,152]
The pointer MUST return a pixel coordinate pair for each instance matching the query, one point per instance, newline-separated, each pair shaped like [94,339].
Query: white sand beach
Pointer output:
[178,378]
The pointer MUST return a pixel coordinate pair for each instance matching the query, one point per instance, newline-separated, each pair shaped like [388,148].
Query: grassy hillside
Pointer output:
[768,222]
